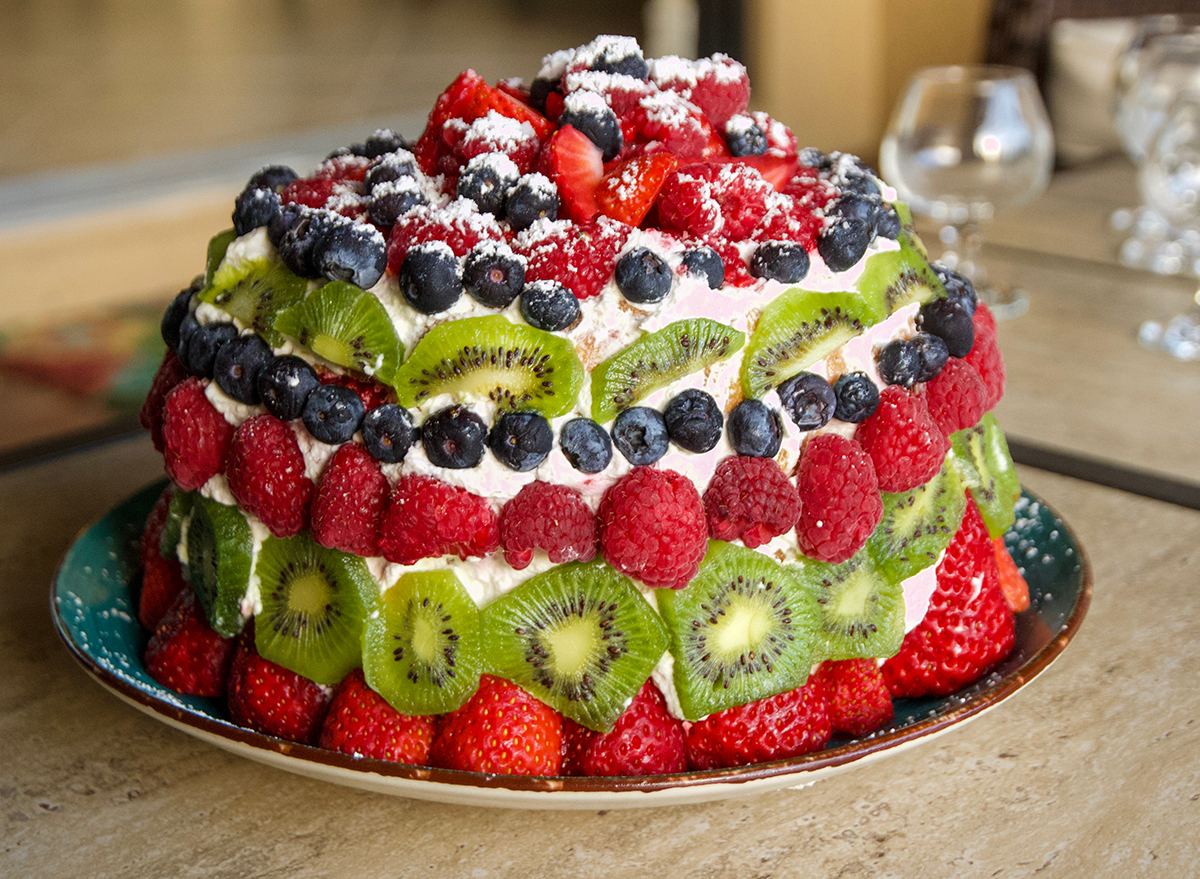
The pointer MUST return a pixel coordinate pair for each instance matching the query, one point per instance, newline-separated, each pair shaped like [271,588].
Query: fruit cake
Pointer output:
[599,430]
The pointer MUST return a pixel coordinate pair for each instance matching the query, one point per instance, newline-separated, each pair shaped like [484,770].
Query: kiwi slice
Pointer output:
[346,325]
[312,607]
[899,277]
[917,525]
[980,454]
[177,512]
[861,612]
[516,366]
[216,253]
[219,552]
[656,360]
[254,291]
[908,230]
[742,630]
[798,329]
[580,637]
[420,646]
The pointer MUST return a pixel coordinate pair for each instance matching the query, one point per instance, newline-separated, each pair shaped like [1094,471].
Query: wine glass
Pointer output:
[1149,73]
[964,142]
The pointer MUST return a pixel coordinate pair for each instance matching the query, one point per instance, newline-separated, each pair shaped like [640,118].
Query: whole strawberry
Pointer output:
[185,653]
[196,437]
[349,501]
[502,730]
[968,628]
[162,578]
[905,444]
[549,517]
[426,517]
[270,699]
[859,701]
[839,497]
[750,499]
[362,723]
[786,725]
[646,740]
[267,476]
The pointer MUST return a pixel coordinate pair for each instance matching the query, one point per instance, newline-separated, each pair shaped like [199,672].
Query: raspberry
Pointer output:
[666,122]
[983,318]
[737,273]
[652,527]
[859,701]
[459,225]
[266,475]
[170,373]
[780,140]
[786,220]
[839,496]
[751,499]
[348,503]
[714,199]
[956,396]
[808,190]
[904,442]
[985,357]
[718,85]
[343,169]
[499,134]
[311,193]
[619,90]
[549,517]
[162,577]
[196,436]
[426,517]
[579,256]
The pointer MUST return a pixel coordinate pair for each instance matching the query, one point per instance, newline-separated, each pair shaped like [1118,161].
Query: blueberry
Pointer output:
[620,55]
[744,137]
[392,199]
[288,216]
[201,349]
[640,434]
[899,363]
[694,420]
[353,252]
[880,218]
[540,89]
[390,168]
[860,184]
[887,222]
[493,275]
[754,429]
[950,322]
[273,177]
[844,242]
[706,263]
[808,399]
[383,141]
[187,329]
[958,287]
[521,440]
[549,306]
[811,157]
[586,111]
[643,276]
[332,413]
[586,445]
[388,433]
[254,208]
[178,309]
[783,261]
[933,355]
[298,246]
[429,277]
[454,438]
[284,384]
[534,198]
[857,397]
[237,366]
[487,181]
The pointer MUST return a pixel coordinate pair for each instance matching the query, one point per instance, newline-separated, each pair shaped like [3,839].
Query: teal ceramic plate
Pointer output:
[90,602]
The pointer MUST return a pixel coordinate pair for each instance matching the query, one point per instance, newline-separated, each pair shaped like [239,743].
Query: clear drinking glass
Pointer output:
[963,143]
[1151,70]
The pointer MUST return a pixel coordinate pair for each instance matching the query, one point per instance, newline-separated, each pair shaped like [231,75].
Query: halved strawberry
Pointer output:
[629,190]
[451,104]
[576,166]
[489,98]
[1012,584]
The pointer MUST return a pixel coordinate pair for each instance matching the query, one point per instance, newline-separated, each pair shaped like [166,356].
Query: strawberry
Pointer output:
[348,503]
[580,256]
[786,725]
[859,701]
[267,475]
[629,190]
[575,741]
[270,699]
[170,373]
[488,98]
[839,498]
[185,653]
[1012,584]
[904,442]
[451,104]
[645,740]
[502,730]
[196,437]
[576,166]
[361,722]
[968,627]
[162,578]
[956,396]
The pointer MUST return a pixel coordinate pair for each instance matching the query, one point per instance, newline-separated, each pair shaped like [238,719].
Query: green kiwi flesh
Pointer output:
[899,277]
[579,637]
[177,512]
[312,610]
[217,246]
[742,630]
[420,645]
[917,525]
[516,366]
[656,360]
[254,291]
[219,552]
[861,612]
[981,456]
[799,328]
[345,325]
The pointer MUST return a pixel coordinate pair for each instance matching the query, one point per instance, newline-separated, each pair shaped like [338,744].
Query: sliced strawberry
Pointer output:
[451,104]
[576,165]
[488,98]
[1012,584]
[629,190]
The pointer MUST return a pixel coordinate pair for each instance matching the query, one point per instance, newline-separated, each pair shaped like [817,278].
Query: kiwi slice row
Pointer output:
[219,553]
[981,457]
[254,291]
[917,525]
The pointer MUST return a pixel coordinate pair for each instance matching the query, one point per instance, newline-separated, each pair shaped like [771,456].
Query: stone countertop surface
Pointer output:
[1092,770]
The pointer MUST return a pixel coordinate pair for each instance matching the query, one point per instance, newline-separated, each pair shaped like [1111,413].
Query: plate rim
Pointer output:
[798,771]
